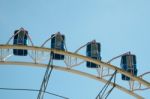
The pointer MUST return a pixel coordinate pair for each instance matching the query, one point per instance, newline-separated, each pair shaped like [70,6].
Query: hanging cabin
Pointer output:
[57,42]
[128,63]
[20,38]
[93,51]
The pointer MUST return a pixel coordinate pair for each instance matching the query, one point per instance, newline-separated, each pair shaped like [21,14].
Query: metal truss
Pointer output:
[103,94]
[46,78]
[104,72]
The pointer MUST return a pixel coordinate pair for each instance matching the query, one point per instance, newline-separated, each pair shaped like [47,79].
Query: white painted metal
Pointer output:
[70,55]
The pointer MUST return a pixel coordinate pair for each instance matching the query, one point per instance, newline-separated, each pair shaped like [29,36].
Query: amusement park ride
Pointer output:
[106,72]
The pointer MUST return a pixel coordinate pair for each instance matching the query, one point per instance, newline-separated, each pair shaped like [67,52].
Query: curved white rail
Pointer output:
[74,72]
[34,48]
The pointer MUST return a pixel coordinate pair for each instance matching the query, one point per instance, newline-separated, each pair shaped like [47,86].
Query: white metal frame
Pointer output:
[100,76]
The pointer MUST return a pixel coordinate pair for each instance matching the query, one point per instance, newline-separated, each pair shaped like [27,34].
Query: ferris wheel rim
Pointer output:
[105,64]
[73,71]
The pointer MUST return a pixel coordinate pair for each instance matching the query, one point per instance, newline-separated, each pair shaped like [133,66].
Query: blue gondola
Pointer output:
[57,42]
[93,51]
[20,38]
[128,63]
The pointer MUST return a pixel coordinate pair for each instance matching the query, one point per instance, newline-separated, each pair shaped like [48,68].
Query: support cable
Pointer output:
[144,74]
[102,92]
[114,85]
[83,46]
[118,57]
[14,35]
[48,40]
[35,90]
[21,29]
[46,78]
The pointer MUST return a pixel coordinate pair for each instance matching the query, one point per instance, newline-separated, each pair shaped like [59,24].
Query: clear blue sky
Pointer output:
[120,26]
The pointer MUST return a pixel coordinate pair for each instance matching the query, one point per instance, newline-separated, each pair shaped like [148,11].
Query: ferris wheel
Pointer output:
[106,72]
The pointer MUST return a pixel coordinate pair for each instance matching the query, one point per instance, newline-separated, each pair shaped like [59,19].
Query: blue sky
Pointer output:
[120,26]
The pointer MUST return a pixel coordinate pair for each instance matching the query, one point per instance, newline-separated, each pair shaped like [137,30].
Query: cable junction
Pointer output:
[103,94]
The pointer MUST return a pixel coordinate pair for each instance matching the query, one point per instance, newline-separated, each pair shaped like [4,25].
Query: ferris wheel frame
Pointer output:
[71,70]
